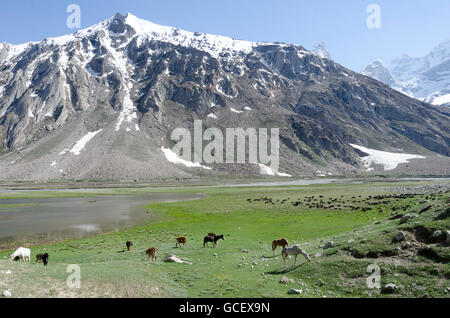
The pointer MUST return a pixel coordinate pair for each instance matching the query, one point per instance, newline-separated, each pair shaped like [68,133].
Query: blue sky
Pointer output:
[413,27]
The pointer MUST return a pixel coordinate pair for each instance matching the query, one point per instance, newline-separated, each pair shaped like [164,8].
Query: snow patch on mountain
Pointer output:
[440,100]
[81,144]
[171,156]
[265,170]
[388,160]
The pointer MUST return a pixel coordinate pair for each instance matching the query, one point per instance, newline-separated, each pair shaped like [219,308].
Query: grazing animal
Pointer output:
[43,258]
[129,245]
[181,240]
[293,250]
[22,253]
[212,239]
[281,242]
[152,253]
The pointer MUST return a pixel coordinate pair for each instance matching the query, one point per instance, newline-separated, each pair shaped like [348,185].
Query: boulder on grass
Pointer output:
[400,236]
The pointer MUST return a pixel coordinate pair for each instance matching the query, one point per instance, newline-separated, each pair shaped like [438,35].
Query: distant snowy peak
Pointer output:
[405,67]
[380,72]
[426,78]
[321,51]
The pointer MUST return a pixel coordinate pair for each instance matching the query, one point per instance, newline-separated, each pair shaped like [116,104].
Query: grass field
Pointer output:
[243,265]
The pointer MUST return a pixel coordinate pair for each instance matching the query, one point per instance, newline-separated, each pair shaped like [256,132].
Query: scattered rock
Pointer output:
[437,235]
[400,236]
[444,215]
[7,293]
[405,218]
[285,280]
[406,245]
[389,288]
[425,209]
[320,282]
[350,241]
[246,251]
[328,245]
[295,291]
[215,255]
[317,255]
[426,295]
[447,237]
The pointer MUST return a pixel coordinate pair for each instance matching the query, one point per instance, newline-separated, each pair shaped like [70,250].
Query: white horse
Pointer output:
[23,253]
[293,250]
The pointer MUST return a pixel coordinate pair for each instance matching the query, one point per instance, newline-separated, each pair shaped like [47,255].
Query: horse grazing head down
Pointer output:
[294,251]
[21,253]
[152,253]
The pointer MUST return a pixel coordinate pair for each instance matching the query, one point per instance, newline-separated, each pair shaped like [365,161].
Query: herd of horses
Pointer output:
[287,250]
[152,252]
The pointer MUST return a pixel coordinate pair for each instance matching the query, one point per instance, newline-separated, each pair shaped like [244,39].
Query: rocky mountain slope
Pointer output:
[426,78]
[102,103]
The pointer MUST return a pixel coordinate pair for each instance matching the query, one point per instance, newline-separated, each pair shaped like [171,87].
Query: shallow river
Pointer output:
[51,219]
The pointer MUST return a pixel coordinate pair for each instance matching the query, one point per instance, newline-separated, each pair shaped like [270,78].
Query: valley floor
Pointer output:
[360,219]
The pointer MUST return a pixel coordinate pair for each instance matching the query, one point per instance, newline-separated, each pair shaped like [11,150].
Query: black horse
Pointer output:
[212,239]
[129,245]
[43,258]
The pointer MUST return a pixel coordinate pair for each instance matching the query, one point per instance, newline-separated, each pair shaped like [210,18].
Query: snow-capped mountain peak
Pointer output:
[380,72]
[321,51]
[213,44]
[426,78]
[146,30]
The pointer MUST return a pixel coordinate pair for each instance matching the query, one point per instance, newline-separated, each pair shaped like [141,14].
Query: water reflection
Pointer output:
[55,219]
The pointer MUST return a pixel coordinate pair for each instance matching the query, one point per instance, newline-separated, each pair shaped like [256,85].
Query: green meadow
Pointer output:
[360,224]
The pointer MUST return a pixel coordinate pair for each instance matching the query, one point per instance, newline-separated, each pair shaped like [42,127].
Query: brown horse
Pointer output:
[181,240]
[152,253]
[281,242]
